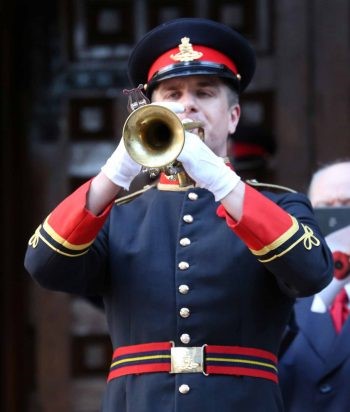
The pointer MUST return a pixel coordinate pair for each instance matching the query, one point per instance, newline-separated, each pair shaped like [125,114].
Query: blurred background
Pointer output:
[63,71]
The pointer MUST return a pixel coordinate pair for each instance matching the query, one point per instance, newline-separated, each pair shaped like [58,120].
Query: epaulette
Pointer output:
[255,183]
[127,198]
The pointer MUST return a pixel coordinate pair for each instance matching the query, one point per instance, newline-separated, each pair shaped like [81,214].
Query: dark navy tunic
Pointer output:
[170,269]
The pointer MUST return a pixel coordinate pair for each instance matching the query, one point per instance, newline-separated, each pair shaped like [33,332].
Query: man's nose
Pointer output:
[190,102]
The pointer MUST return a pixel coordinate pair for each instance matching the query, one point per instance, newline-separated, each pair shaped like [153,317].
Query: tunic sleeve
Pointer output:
[59,250]
[284,234]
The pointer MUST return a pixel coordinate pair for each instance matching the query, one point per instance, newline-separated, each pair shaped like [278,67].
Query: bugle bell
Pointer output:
[154,137]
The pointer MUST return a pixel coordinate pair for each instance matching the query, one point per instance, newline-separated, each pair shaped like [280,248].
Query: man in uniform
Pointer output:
[314,370]
[198,281]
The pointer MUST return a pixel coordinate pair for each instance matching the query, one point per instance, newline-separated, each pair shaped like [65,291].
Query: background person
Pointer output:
[315,368]
[212,268]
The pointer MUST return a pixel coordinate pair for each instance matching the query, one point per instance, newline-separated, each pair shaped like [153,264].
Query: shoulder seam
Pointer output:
[127,198]
[255,183]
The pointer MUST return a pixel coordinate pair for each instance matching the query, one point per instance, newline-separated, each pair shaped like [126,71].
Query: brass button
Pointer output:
[184,389]
[183,265]
[185,241]
[188,218]
[185,338]
[325,388]
[185,312]
[192,196]
[183,289]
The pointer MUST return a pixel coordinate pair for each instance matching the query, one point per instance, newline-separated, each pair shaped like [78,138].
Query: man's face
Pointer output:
[205,99]
[331,187]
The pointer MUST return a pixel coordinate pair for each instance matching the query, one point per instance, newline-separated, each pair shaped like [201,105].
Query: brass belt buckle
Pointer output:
[187,360]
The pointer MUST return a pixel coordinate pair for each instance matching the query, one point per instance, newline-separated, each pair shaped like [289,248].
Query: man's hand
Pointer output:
[120,168]
[201,164]
[206,169]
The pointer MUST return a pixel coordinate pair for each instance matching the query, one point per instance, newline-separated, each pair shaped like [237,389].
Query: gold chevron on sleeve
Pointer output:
[309,238]
[34,240]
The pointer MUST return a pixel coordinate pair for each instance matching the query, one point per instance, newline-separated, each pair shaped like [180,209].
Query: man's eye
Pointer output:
[204,93]
[172,95]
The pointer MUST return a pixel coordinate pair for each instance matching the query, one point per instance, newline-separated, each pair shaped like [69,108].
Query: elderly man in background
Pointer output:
[315,369]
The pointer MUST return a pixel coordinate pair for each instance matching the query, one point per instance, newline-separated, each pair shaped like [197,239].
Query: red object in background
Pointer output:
[250,147]
[341,265]
[340,310]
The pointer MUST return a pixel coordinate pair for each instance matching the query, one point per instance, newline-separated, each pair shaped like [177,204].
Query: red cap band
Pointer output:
[208,55]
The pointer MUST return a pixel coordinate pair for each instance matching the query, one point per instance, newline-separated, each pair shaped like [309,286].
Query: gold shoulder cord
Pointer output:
[255,183]
[127,198]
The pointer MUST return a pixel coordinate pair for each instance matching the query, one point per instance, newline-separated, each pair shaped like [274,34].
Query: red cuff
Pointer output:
[264,226]
[70,225]
[262,221]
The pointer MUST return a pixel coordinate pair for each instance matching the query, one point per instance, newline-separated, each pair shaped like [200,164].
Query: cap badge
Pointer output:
[186,53]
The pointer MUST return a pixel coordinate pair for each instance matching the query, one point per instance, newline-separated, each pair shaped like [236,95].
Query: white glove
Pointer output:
[202,165]
[120,168]
[206,168]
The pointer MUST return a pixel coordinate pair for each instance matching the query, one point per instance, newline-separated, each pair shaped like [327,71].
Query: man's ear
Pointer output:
[235,114]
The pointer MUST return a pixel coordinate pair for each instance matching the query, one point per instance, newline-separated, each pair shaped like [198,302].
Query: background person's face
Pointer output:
[331,187]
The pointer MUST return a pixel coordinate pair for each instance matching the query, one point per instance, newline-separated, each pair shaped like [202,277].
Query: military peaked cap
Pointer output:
[191,46]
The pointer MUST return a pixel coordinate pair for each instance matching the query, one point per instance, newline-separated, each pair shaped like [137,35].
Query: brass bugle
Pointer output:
[154,137]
